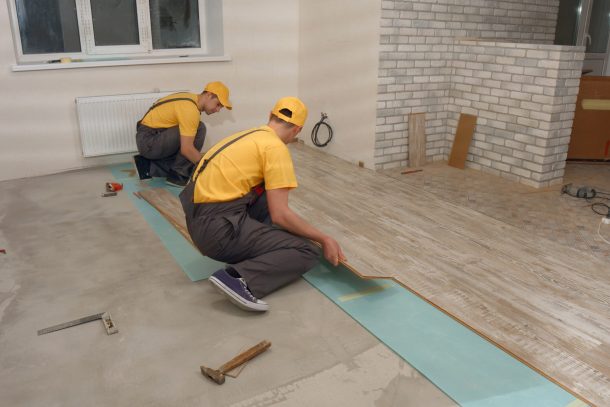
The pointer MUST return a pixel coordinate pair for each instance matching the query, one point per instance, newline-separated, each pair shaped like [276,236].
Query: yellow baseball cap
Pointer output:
[221,91]
[297,111]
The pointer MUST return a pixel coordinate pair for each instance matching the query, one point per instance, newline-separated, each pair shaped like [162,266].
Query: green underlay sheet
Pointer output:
[469,369]
[466,367]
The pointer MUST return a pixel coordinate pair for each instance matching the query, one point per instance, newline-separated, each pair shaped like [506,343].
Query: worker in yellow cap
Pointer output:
[171,134]
[236,207]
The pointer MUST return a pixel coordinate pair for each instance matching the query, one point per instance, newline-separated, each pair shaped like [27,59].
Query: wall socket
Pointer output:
[361,164]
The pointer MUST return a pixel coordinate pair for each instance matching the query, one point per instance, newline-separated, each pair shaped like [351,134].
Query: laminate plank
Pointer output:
[543,302]
[417,139]
[461,142]
[169,206]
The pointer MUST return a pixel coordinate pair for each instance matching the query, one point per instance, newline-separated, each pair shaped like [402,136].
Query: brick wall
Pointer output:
[414,77]
[524,98]
[416,64]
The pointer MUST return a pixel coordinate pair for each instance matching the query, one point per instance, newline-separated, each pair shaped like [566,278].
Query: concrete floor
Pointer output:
[71,253]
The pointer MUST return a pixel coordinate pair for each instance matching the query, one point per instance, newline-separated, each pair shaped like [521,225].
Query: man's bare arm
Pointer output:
[283,216]
[187,149]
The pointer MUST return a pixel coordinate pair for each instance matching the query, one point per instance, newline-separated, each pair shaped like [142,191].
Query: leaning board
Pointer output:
[461,142]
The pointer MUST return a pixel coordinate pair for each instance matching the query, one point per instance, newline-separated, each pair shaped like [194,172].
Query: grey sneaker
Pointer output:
[237,291]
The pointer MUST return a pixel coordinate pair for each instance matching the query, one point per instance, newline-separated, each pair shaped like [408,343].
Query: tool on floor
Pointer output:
[104,316]
[411,171]
[113,186]
[218,375]
[579,192]
[111,189]
[3,251]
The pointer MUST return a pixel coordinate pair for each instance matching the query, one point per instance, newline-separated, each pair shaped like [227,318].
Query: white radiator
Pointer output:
[108,123]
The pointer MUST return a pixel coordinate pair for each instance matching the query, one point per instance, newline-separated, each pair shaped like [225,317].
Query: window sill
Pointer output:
[94,63]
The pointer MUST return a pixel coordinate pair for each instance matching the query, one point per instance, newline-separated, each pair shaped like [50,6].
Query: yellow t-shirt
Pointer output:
[258,157]
[181,113]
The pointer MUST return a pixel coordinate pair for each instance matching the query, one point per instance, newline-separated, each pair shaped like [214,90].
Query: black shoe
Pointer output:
[142,166]
[176,180]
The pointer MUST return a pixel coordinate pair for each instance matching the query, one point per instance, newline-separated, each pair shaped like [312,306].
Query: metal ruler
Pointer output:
[104,316]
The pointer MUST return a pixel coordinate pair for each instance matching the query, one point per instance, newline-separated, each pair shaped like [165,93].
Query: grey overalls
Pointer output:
[240,234]
[162,146]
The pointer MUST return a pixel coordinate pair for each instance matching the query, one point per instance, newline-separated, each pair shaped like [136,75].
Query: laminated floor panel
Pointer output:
[541,301]
[545,303]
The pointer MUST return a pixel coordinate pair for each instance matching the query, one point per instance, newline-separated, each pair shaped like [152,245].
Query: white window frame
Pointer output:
[91,52]
[203,50]
[87,35]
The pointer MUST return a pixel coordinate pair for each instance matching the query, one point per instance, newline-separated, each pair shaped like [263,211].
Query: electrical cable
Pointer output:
[598,231]
[595,200]
[602,205]
[314,132]
[589,195]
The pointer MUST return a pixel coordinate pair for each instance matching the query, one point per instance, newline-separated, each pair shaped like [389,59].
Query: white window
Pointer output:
[47,30]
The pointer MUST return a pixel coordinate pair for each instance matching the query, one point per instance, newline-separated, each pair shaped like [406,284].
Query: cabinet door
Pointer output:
[590,137]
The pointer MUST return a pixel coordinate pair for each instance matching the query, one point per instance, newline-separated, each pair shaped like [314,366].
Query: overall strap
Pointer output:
[205,162]
[167,101]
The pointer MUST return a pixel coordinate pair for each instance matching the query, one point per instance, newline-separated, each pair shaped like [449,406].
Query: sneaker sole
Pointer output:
[236,299]
[171,184]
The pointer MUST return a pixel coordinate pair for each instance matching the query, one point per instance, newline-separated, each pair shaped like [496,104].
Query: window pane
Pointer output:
[48,26]
[175,24]
[599,25]
[115,22]
[566,29]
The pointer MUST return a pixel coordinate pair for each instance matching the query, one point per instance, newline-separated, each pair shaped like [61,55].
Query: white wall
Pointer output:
[39,131]
[338,64]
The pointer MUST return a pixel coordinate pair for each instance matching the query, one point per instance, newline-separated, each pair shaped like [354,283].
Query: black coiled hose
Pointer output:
[314,132]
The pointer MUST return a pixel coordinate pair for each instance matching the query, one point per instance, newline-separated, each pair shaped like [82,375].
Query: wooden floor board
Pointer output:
[544,302]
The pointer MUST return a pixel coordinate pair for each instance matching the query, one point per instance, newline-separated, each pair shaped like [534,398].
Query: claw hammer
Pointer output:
[218,375]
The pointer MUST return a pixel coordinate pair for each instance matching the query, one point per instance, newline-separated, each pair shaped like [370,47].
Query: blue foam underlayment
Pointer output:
[466,367]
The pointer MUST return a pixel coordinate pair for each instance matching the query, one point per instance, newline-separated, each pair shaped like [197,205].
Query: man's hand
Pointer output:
[332,251]
[282,215]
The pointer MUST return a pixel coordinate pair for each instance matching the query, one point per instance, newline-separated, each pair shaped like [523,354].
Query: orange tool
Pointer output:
[113,186]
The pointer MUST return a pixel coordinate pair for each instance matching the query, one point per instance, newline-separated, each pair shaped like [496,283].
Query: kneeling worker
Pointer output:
[170,135]
[236,193]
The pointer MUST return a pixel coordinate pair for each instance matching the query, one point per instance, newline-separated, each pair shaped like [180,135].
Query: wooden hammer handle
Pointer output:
[244,356]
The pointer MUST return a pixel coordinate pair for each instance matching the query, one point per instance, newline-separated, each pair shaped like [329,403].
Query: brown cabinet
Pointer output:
[590,138]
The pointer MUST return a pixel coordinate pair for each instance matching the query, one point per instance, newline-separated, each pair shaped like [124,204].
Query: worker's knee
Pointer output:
[311,253]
